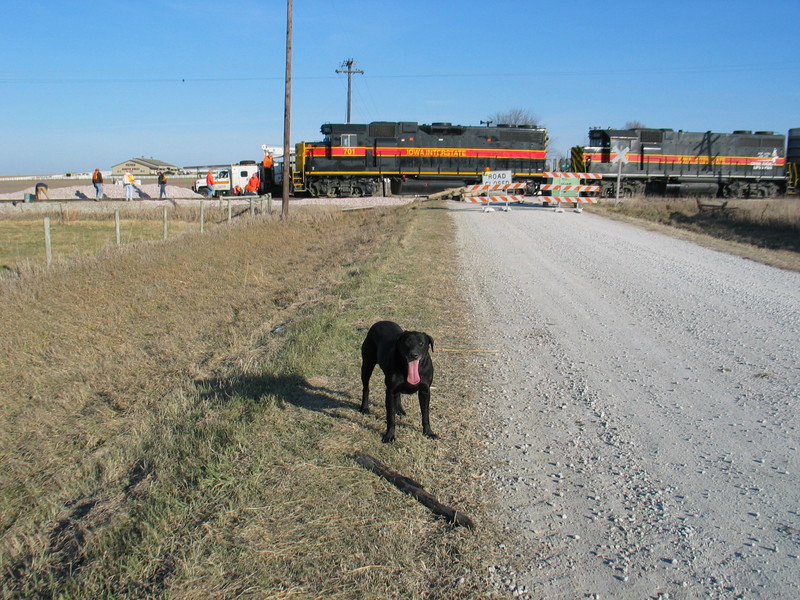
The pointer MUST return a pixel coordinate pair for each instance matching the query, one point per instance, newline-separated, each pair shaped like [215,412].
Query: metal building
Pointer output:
[143,166]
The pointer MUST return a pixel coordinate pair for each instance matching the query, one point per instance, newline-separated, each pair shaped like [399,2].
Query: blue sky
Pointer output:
[87,84]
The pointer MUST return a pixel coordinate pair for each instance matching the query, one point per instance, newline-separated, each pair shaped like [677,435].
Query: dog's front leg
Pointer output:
[391,400]
[424,407]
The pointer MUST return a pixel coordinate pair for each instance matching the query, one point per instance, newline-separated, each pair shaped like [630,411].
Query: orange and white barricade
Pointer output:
[567,187]
[501,189]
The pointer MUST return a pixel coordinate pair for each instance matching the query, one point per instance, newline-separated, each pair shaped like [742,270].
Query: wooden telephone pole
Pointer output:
[347,67]
[287,113]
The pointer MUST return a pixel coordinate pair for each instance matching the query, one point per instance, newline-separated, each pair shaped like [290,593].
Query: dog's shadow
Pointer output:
[288,389]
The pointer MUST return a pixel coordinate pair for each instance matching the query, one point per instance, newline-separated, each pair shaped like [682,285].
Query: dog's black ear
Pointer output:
[430,340]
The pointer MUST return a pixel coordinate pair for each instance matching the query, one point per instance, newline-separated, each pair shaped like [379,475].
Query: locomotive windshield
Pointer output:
[598,139]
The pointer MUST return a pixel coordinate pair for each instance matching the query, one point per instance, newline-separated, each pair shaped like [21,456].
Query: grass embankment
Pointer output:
[179,419]
[764,230]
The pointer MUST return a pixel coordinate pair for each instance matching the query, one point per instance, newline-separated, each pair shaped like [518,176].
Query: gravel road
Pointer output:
[641,409]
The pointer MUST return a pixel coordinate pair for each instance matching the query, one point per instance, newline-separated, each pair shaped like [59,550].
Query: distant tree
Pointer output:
[635,125]
[515,116]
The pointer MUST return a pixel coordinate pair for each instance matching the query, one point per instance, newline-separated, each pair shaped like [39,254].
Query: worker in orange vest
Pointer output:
[210,183]
[251,189]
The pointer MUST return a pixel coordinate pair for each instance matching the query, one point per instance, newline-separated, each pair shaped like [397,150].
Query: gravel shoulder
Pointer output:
[640,410]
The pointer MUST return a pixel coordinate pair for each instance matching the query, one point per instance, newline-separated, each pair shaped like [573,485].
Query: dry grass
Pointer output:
[76,233]
[179,418]
[764,230]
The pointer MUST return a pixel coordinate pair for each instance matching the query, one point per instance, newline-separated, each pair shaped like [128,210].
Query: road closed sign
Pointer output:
[496,177]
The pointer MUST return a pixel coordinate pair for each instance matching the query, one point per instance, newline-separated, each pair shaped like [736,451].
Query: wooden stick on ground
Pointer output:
[465,350]
[411,487]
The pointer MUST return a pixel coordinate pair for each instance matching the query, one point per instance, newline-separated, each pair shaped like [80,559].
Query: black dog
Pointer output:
[404,359]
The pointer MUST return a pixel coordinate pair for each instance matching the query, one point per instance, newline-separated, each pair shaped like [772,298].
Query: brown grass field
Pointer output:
[75,231]
[179,419]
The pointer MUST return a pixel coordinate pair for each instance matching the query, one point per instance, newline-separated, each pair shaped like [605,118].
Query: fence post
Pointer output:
[269,203]
[229,210]
[202,215]
[252,207]
[48,246]
[165,224]
[116,226]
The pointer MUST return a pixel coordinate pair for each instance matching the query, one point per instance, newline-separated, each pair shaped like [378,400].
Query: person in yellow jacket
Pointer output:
[162,185]
[128,182]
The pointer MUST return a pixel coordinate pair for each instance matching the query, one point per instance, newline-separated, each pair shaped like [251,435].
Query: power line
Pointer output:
[21,79]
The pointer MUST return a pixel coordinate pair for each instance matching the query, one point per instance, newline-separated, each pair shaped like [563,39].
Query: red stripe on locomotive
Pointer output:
[343,151]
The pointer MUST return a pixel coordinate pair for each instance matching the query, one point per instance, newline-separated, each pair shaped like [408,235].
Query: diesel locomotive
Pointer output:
[357,159]
[664,162]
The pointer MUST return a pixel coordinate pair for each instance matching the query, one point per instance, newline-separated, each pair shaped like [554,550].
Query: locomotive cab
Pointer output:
[346,135]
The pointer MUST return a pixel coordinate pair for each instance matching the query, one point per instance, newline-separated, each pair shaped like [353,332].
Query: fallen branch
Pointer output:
[466,350]
[412,488]
[446,194]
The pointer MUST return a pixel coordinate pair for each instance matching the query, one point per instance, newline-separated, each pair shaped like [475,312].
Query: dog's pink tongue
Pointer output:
[413,372]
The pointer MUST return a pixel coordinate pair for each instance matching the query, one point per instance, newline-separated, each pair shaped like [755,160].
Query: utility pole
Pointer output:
[287,113]
[349,64]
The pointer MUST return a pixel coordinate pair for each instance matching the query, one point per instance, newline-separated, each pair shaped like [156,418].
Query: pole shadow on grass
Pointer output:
[289,389]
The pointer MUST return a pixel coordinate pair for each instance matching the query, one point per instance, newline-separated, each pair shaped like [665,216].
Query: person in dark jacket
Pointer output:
[97,182]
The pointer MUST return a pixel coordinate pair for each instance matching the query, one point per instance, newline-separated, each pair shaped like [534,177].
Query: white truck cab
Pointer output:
[228,179]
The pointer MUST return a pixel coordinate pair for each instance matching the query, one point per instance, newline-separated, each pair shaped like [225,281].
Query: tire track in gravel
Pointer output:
[641,410]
